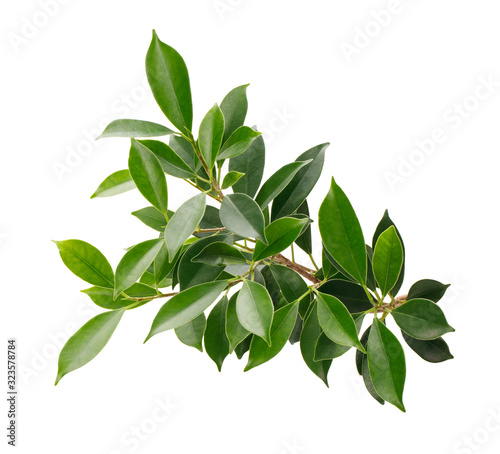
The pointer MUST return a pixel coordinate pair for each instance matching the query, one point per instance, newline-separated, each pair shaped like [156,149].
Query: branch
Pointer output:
[302,270]
[398,301]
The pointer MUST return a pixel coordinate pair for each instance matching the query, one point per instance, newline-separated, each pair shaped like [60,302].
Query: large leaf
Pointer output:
[433,351]
[170,161]
[103,297]
[387,260]
[191,333]
[216,341]
[254,308]
[251,163]
[169,81]
[422,319]
[134,263]
[183,223]
[210,135]
[428,289]
[387,364]
[220,254]
[185,306]
[152,217]
[241,215]
[279,234]
[302,183]
[281,329]
[87,262]
[234,106]
[352,295]
[87,342]
[278,181]
[117,183]
[134,128]
[148,175]
[238,142]
[341,233]
[235,331]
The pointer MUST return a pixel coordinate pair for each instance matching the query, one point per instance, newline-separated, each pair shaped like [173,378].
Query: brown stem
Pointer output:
[398,301]
[149,298]
[302,270]
[218,229]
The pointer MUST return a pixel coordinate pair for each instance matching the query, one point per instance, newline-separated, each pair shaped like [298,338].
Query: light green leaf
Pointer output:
[235,331]
[210,135]
[153,217]
[134,128]
[234,107]
[103,297]
[216,341]
[117,183]
[231,178]
[220,254]
[170,161]
[239,142]
[387,260]
[191,333]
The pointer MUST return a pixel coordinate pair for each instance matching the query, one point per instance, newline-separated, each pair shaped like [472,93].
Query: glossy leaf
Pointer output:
[304,241]
[103,297]
[387,364]
[387,260]
[422,319]
[341,233]
[220,254]
[134,263]
[235,331]
[433,351]
[254,308]
[238,142]
[243,346]
[134,128]
[281,329]
[352,295]
[170,161]
[117,183]
[87,342]
[367,379]
[191,333]
[148,175]
[169,81]
[183,223]
[301,184]
[231,178]
[234,106]
[428,289]
[87,262]
[210,135]
[360,355]
[216,341]
[152,217]
[241,215]
[290,283]
[185,306]
[184,149]
[163,265]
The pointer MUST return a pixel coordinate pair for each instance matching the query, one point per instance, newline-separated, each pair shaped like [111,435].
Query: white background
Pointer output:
[66,76]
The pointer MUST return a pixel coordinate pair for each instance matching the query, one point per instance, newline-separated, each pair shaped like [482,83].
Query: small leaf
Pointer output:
[220,254]
[304,241]
[153,217]
[191,333]
[254,308]
[170,161]
[183,223]
[169,81]
[103,297]
[87,342]
[87,262]
[134,128]
[148,175]
[280,234]
[428,289]
[216,341]
[234,107]
[387,260]
[239,142]
[336,322]
[185,306]
[243,346]
[278,181]
[134,263]
[117,183]
[235,331]
[210,135]
[241,215]
[231,178]
[281,329]
[341,233]
[386,363]
[352,295]
[433,351]
[422,319]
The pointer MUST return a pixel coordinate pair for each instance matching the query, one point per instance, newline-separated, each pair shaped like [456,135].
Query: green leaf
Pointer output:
[304,241]
[87,342]
[302,183]
[308,340]
[359,354]
[191,333]
[251,163]
[134,263]
[421,319]
[365,372]
[239,142]
[241,215]
[254,308]
[220,254]
[433,351]
[386,361]
[170,161]
[163,264]
[103,297]
[279,234]
[341,233]
[278,181]
[234,107]
[428,289]
[210,135]
[336,321]
[152,217]
[184,149]
[243,346]
[169,81]
[292,286]
[281,329]
[216,341]
[134,128]
[387,260]
[235,331]
[87,262]
[185,306]
[148,175]
[352,295]
[183,223]
[231,178]
[117,183]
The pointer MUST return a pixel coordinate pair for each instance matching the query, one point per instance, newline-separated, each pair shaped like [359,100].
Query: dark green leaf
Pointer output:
[235,331]
[428,289]
[117,183]
[433,351]
[365,372]
[359,354]
[304,241]
[352,295]
[239,142]
[163,264]
[191,333]
[170,161]
[216,341]
[134,128]
[231,178]
[103,297]
[243,346]
[387,260]
[234,107]
[220,254]
[184,149]
[210,135]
